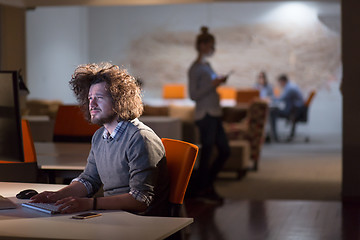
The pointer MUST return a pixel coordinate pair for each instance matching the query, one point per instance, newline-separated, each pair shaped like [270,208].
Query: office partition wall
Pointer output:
[11,147]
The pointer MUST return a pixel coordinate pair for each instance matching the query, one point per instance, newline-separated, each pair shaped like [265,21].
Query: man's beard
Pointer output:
[103,120]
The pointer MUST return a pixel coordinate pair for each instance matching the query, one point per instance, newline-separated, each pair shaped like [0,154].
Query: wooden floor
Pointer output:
[273,220]
[295,195]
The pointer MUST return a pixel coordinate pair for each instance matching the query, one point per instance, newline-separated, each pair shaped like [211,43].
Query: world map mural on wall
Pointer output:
[310,56]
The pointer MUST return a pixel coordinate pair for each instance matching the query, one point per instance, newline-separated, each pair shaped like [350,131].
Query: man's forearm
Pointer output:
[75,189]
[121,202]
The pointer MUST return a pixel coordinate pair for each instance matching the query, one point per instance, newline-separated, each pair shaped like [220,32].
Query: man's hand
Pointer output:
[67,205]
[45,197]
[75,189]
[74,204]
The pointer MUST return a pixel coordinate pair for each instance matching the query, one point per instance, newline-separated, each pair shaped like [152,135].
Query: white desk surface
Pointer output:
[10,189]
[24,223]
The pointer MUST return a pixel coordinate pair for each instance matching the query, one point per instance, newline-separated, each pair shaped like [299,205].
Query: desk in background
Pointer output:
[232,109]
[68,160]
[65,160]
[42,127]
[169,118]
[163,126]
[184,109]
[158,102]
[24,223]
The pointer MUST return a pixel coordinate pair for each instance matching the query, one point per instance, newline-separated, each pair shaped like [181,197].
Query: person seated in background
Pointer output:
[266,93]
[126,156]
[264,87]
[293,101]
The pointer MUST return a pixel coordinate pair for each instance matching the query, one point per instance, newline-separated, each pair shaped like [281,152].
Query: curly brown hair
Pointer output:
[123,88]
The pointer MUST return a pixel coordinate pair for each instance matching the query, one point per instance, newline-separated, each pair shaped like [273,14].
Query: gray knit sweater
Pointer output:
[133,160]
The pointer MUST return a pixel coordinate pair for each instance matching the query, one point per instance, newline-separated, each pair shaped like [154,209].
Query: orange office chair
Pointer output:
[26,171]
[277,91]
[302,117]
[226,92]
[28,143]
[173,91]
[310,98]
[71,126]
[180,158]
[246,95]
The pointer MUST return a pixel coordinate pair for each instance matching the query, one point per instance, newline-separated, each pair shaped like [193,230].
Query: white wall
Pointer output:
[325,115]
[60,38]
[56,42]
[156,43]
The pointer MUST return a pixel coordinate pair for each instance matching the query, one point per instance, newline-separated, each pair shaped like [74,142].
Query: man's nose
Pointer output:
[92,103]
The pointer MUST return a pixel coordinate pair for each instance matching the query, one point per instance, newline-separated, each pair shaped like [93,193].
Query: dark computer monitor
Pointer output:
[11,145]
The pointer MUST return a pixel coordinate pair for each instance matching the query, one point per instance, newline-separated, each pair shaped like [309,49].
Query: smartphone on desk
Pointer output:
[86,215]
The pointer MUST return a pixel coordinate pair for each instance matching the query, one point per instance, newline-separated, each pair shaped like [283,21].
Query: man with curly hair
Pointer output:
[126,156]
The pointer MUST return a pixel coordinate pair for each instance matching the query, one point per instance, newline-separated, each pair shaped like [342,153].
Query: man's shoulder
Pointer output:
[98,133]
[292,85]
[138,131]
[138,126]
[129,129]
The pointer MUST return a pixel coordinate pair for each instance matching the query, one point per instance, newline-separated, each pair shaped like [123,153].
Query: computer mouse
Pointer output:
[26,194]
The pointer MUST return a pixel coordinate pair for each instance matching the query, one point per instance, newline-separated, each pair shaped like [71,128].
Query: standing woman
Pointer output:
[203,82]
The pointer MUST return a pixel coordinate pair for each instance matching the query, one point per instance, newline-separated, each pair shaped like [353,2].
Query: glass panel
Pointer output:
[11,148]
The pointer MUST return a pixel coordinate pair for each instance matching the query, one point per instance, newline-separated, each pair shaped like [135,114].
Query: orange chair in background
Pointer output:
[226,92]
[28,143]
[180,158]
[277,91]
[26,171]
[247,95]
[71,126]
[302,117]
[173,91]
[310,98]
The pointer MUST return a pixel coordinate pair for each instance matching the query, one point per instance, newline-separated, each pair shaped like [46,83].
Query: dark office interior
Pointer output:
[304,189]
